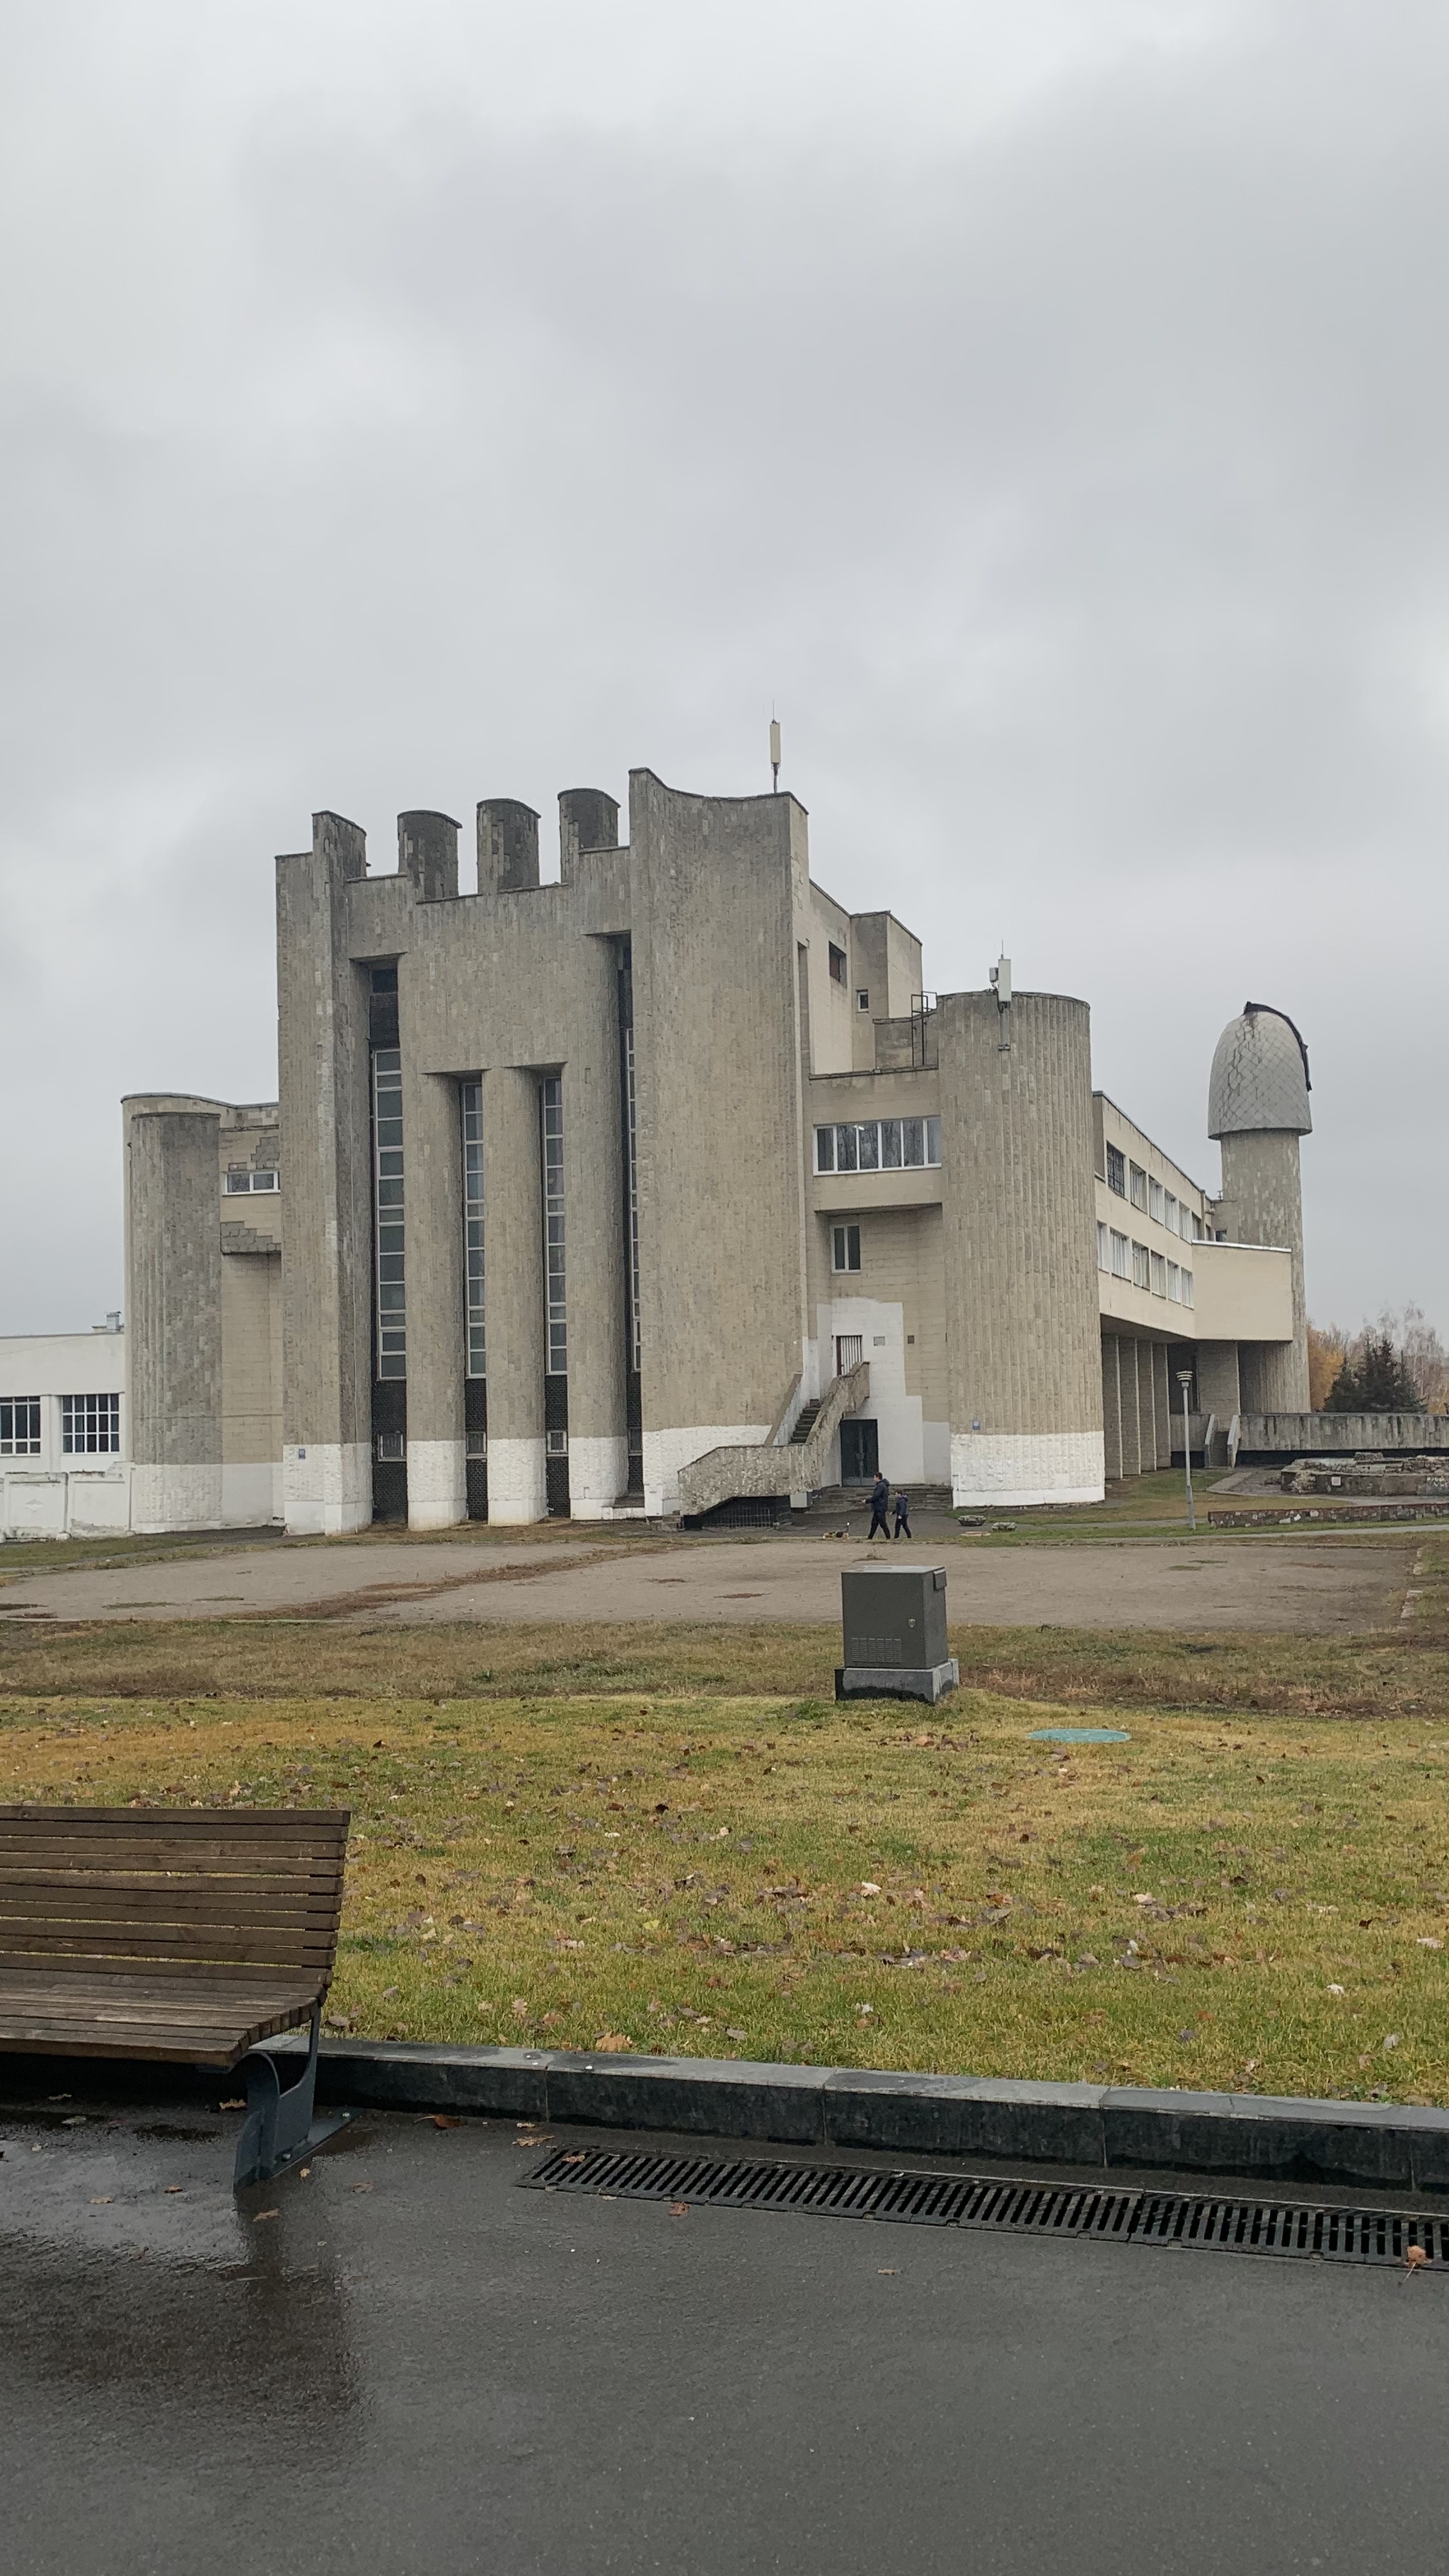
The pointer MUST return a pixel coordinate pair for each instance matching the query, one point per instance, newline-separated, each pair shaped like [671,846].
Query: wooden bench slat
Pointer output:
[215,2010]
[233,1971]
[176,1820]
[226,1989]
[266,1886]
[167,1940]
[222,1852]
[83,1904]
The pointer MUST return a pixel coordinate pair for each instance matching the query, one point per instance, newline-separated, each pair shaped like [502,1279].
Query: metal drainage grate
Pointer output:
[1337,2235]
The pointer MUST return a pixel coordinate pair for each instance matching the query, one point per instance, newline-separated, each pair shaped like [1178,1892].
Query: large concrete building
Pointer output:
[668,1183]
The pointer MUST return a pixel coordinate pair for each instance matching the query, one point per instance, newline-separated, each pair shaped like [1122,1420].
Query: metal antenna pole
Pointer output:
[1184,1379]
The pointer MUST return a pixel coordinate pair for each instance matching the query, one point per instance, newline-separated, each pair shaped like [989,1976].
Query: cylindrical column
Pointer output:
[1162,1403]
[433,1239]
[173,1325]
[594,1206]
[1131,1407]
[1022,1314]
[514,1295]
[1111,1406]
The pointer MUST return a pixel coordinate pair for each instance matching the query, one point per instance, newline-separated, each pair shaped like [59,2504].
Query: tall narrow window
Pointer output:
[631,1144]
[551,1106]
[471,1098]
[387,1140]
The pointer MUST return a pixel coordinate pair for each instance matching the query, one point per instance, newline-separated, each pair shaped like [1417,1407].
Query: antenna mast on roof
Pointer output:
[775,754]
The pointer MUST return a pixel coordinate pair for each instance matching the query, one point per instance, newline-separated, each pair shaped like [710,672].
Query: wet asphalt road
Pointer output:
[414,2368]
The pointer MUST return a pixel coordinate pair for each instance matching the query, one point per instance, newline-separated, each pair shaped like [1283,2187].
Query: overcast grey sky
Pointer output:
[1043,404]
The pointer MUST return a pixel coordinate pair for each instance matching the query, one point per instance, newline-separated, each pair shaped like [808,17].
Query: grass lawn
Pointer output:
[1254,1897]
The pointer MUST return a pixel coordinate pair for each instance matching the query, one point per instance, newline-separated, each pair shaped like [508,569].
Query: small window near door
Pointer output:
[845,1247]
[862,1000]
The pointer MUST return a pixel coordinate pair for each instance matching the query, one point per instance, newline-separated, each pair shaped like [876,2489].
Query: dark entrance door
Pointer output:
[859,1451]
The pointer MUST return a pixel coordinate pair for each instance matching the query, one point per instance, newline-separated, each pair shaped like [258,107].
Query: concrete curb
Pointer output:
[1385,2146]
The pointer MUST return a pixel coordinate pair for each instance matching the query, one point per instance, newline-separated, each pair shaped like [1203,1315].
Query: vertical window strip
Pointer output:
[471,1097]
[387,1140]
[556,1308]
[632,1145]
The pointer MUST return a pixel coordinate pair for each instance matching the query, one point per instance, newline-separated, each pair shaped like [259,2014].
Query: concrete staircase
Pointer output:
[791,1461]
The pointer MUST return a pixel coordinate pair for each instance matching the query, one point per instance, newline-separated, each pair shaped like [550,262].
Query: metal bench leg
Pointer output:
[279,2129]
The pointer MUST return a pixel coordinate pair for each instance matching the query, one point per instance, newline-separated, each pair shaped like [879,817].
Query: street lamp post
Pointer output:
[1184,1380]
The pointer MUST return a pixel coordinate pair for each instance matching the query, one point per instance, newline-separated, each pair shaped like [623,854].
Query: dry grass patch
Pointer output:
[1255,1903]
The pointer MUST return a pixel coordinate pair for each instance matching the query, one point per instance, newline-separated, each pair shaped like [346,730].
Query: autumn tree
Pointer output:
[1327,1351]
[1374,1379]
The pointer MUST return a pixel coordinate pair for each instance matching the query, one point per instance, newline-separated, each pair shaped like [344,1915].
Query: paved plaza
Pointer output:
[1311,1586]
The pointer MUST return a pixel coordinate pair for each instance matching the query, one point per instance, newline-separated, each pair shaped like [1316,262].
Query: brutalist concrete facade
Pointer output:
[602,1193]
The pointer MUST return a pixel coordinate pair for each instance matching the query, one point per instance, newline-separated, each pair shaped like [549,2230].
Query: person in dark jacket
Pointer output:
[880,1503]
[903,1513]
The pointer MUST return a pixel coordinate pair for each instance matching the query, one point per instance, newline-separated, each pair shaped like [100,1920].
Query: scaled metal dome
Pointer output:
[1260,1076]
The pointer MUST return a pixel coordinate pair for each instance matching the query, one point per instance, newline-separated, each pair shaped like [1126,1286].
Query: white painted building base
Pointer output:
[1022,1467]
[84,1503]
[251,1495]
[665,1452]
[517,1491]
[598,1474]
[176,1498]
[437,1484]
[327,1487]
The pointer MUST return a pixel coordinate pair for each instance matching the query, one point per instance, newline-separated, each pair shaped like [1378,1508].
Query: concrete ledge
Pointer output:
[1384,2146]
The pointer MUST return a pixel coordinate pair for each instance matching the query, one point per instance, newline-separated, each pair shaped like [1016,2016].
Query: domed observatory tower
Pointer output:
[1258,1109]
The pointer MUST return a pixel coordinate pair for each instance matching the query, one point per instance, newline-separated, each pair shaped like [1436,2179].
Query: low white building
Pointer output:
[64,1434]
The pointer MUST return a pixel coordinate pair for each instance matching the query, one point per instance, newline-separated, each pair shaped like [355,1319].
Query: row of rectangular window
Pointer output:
[1123,1259]
[1130,1181]
[90,1426]
[240,1177]
[879,1145]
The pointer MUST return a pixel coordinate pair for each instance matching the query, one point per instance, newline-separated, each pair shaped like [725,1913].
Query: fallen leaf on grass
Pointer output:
[612,2042]
[868,1887]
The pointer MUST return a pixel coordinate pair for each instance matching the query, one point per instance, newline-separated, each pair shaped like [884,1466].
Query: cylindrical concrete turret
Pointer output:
[427,851]
[1258,1108]
[507,846]
[587,820]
